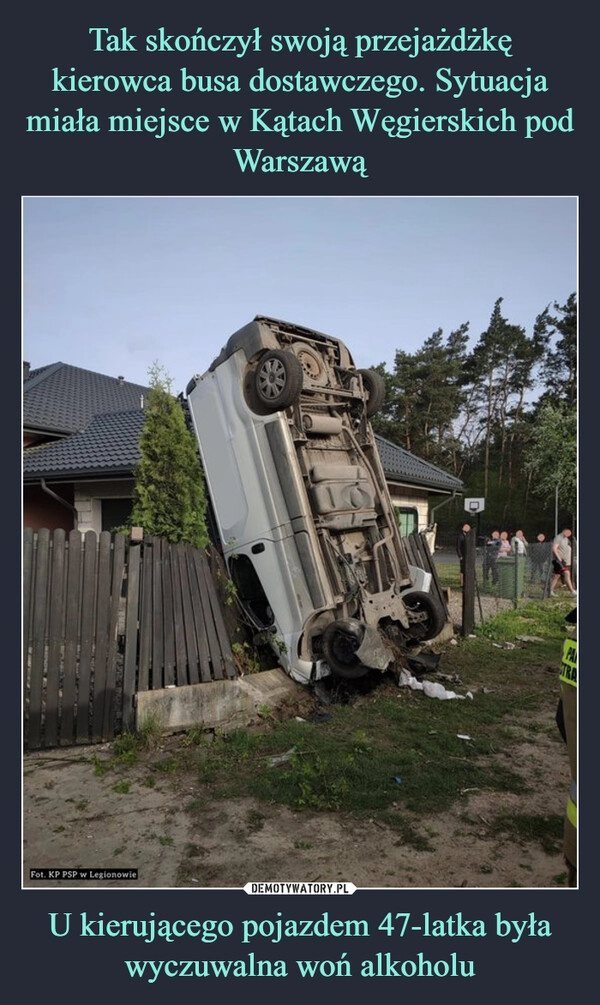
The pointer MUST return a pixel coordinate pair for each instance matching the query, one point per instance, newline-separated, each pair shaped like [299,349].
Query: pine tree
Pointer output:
[169,498]
[559,368]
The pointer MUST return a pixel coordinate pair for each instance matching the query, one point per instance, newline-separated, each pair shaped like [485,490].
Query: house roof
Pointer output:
[61,399]
[401,466]
[107,447]
[101,419]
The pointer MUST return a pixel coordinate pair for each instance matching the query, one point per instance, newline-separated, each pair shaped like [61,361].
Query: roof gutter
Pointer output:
[439,506]
[62,501]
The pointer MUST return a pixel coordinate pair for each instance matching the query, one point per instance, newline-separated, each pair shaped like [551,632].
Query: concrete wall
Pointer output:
[226,705]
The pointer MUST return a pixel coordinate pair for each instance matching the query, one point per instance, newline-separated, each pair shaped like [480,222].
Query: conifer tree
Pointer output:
[169,498]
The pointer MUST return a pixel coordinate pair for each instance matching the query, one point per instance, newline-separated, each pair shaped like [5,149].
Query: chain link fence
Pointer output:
[516,577]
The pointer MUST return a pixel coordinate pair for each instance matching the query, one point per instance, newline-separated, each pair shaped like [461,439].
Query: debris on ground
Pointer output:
[433,689]
[278,759]
[423,662]
[451,678]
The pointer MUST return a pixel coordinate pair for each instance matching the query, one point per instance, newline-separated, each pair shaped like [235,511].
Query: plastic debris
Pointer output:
[406,679]
[278,759]
[463,736]
[504,645]
[529,638]
[398,778]
[430,688]
[435,690]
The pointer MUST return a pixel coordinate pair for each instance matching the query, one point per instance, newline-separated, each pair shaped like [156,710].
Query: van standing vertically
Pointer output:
[305,519]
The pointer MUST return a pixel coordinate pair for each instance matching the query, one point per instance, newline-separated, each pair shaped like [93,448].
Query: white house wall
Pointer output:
[88,501]
[411,498]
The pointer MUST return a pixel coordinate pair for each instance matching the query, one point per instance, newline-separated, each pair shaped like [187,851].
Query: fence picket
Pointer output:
[87,638]
[145,618]
[28,568]
[131,634]
[167,615]
[189,623]
[157,627]
[102,622]
[40,599]
[181,659]
[72,621]
[118,565]
[56,595]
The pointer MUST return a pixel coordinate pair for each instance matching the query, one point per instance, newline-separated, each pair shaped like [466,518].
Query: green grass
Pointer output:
[449,574]
[397,753]
[353,762]
[547,830]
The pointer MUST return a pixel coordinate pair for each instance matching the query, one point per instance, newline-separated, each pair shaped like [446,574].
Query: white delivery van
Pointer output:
[304,516]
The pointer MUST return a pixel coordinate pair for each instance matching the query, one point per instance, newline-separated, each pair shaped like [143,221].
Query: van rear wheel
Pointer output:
[341,640]
[374,385]
[278,380]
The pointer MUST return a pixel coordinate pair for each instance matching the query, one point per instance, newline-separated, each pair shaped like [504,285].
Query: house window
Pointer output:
[115,512]
[408,519]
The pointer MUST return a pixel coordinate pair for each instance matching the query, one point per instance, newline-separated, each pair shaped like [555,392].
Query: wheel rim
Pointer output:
[311,364]
[272,379]
[425,620]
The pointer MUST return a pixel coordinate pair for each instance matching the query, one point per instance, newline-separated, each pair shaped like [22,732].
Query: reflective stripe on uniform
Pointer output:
[572,803]
[568,667]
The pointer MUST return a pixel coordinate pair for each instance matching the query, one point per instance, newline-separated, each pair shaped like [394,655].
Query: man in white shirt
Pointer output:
[562,553]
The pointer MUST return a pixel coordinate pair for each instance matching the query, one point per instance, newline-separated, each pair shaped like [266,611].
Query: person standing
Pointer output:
[490,557]
[461,544]
[538,553]
[505,548]
[519,544]
[562,557]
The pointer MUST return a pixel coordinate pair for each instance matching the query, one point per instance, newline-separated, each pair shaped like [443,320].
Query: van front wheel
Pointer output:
[278,380]
[341,639]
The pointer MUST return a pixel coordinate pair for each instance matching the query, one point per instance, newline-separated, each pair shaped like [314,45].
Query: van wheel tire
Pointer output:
[278,380]
[374,385]
[425,615]
[341,639]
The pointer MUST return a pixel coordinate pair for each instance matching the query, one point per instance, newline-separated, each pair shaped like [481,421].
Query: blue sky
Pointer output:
[115,284]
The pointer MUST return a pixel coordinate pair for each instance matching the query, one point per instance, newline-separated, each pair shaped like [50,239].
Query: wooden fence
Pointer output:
[103,618]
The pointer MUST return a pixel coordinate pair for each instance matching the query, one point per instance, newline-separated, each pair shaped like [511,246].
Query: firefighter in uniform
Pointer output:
[566,718]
